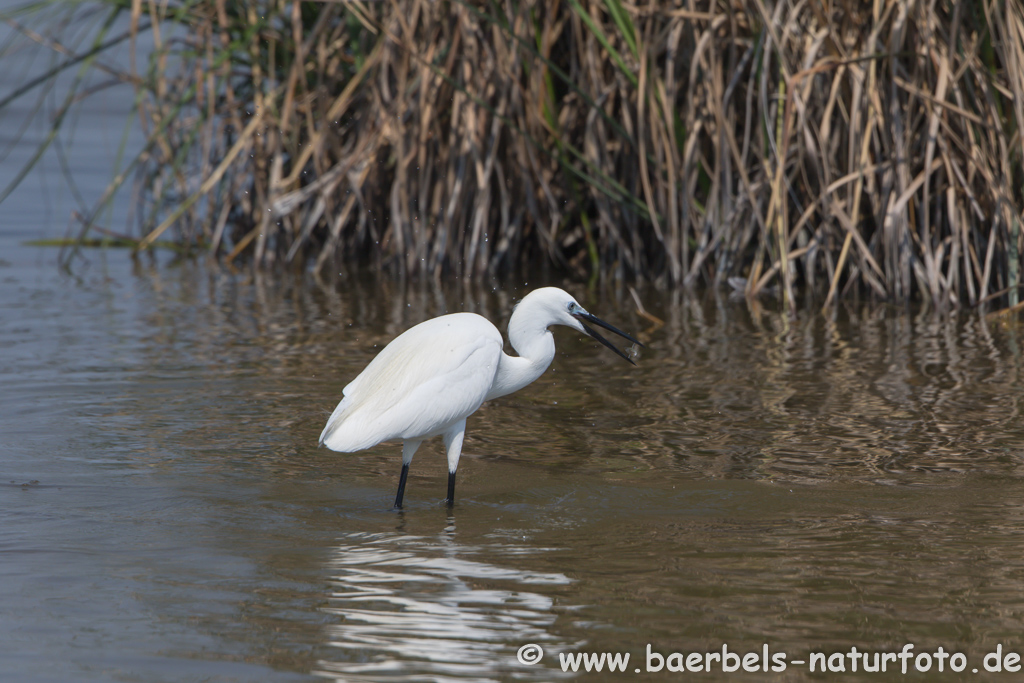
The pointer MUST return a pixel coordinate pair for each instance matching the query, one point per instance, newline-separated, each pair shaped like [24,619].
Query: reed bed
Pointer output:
[819,146]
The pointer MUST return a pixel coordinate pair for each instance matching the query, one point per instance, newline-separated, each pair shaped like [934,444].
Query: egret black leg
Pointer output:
[451,489]
[453,444]
[401,486]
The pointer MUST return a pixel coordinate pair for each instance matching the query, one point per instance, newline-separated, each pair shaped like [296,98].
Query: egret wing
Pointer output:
[428,378]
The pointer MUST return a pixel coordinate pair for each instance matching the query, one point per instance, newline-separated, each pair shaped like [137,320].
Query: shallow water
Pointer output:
[799,486]
[805,485]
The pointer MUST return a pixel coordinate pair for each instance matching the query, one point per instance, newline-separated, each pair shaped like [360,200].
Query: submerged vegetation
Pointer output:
[823,146]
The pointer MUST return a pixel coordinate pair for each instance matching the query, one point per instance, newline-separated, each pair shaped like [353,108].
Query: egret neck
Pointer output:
[535,345]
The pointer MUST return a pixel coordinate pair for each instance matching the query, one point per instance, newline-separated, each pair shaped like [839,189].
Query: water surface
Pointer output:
[806,484]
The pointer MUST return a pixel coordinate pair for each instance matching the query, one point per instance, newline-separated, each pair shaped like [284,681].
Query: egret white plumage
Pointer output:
[433,376]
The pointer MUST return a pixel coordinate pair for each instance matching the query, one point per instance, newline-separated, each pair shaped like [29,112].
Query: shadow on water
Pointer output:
[812,483]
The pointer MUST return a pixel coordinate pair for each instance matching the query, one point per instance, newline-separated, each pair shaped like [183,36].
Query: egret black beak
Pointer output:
[585,318]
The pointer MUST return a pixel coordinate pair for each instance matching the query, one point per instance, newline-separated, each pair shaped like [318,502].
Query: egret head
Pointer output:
[562,309]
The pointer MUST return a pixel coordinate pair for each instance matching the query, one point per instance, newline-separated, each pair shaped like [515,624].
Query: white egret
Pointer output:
[433,376]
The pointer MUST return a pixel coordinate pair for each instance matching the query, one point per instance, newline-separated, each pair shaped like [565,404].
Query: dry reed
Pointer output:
[822,146]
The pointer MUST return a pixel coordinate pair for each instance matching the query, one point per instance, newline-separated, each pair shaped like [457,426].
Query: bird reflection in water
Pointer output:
[413,608]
